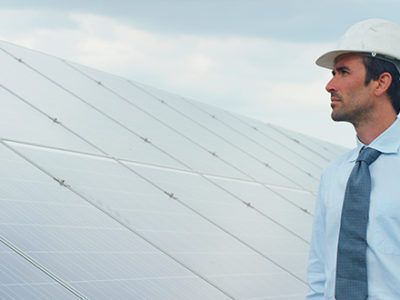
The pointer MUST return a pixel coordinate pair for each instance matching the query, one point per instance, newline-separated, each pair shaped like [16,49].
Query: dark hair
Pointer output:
[375,67]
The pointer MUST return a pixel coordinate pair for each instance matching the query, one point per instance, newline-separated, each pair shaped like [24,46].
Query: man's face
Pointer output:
[351,99]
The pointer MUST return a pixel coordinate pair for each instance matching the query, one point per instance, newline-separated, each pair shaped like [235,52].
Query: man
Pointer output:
[355,248]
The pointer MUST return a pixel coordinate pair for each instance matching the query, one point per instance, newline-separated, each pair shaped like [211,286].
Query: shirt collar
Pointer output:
[387,142]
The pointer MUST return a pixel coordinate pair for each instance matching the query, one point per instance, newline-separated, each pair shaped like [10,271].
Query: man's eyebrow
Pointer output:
[342,68]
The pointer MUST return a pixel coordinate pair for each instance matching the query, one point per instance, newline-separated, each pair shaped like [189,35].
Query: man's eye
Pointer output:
[343,71]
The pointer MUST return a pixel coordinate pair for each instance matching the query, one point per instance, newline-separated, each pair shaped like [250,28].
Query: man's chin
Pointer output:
[338,117]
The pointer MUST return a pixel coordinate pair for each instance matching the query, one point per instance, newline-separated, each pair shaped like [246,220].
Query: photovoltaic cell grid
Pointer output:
[86,249]
[114,189]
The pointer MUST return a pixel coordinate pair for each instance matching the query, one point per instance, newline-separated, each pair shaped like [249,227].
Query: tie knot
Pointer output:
[369,155]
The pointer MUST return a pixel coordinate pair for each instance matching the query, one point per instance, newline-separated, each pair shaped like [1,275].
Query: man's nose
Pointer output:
[330,86]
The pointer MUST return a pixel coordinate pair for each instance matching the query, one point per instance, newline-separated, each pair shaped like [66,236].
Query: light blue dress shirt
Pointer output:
[383,231]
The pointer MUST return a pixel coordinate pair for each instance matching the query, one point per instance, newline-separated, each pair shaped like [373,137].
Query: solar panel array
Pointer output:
[111,189]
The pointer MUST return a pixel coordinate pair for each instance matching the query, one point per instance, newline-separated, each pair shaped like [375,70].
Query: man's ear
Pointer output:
[383,83]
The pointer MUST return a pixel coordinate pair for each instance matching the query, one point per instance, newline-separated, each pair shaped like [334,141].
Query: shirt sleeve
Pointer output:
[316,264]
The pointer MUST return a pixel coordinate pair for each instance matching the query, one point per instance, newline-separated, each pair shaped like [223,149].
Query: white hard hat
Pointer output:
[376,37]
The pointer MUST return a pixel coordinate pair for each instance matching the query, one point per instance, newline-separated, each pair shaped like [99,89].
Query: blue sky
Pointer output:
[251,57]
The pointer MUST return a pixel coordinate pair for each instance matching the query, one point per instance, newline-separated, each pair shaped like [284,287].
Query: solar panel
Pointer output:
[114,189]
[88,250]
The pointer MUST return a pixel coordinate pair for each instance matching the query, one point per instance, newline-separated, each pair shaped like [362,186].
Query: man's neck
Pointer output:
[367,132]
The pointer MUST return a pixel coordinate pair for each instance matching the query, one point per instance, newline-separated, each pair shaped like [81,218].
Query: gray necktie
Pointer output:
[351,267]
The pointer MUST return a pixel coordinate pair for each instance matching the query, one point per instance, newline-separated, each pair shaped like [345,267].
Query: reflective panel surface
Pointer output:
[111,189]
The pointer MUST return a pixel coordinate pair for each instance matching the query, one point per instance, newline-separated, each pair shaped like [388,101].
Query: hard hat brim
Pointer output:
[327,60]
